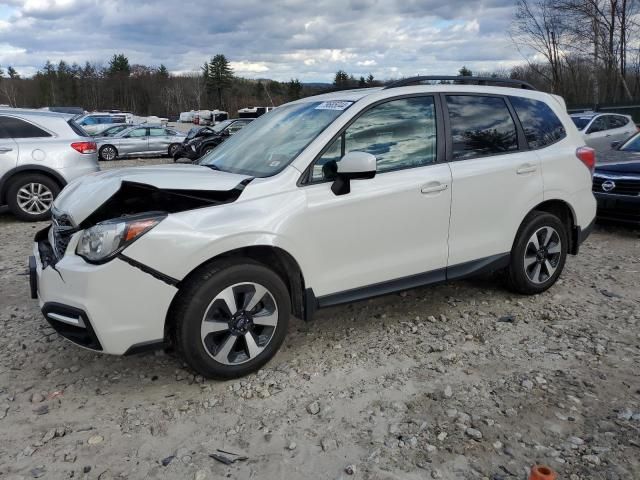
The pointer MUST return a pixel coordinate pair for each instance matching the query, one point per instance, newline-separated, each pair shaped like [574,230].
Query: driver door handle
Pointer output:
[433,188]
[5,149]
[526,168]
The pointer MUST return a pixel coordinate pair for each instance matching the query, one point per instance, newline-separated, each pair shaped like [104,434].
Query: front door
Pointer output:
[389,231]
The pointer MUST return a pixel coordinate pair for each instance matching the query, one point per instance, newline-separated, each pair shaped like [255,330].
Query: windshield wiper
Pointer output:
[213,167]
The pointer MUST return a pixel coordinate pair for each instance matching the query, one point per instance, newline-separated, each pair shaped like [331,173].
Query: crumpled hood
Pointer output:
[83,196]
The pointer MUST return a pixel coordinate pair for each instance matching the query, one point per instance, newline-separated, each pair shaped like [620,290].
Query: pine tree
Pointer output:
[162,72]
[370,80]
[341,80]
[465,72]
[219,77]
[12,73]
[119,66]
[362,82]
[294,89]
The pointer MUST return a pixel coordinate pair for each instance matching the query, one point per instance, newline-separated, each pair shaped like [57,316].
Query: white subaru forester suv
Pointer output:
[326,200]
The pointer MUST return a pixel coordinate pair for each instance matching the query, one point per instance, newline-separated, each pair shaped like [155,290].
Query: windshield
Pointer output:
[581,122]
[632,144]
[270,143]
[218,127]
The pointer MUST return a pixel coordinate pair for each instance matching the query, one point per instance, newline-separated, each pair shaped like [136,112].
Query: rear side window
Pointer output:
[480,126]
[16,128]
[541,126]
[617,121]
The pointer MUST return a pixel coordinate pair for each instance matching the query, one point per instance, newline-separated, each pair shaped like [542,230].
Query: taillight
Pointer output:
[85,147]
[587,156]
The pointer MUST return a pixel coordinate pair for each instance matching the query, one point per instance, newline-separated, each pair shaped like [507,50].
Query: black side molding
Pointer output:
[434,277]
[151,271]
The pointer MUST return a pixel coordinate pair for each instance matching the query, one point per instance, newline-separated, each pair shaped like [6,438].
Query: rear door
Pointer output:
[159,140]
[620,128]
[496,180]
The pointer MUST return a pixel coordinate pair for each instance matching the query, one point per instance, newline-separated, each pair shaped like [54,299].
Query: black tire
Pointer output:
[105,152]
[16,191]
[196,298]
[172,150]
[207,149]
[518,276]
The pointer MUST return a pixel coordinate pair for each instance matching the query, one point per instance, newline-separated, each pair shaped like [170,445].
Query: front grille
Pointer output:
[621,186]
[62,229]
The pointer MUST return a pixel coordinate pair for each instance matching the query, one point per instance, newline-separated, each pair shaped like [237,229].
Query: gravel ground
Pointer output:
[459,381]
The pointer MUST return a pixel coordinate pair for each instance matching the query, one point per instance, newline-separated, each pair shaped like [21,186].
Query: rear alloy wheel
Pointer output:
[30,197]
[231,319]
[538,254]
[108,153]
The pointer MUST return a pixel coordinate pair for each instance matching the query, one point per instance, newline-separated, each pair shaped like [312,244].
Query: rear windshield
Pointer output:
[581,122]
[78,130]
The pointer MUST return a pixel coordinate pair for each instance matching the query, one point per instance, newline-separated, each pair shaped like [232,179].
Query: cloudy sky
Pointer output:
[305,39]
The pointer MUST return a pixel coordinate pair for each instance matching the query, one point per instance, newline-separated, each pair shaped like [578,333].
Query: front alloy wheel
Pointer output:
[239,323]
[231,317]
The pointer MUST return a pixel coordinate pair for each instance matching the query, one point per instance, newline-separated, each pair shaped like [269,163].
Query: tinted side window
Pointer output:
[480,126]
[399,133]
[616,121]
[598,125]
[541,126]
[17,128]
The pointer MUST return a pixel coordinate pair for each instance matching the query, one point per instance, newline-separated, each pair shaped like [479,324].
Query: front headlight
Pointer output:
[106,239]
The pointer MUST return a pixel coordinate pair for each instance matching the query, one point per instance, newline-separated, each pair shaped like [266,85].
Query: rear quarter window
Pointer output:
[541,126]
[17,128]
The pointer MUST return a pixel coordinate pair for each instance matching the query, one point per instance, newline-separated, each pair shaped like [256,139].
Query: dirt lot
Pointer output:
[460,381]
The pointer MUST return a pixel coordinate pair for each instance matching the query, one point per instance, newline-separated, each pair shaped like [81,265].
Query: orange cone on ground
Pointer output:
[542,472]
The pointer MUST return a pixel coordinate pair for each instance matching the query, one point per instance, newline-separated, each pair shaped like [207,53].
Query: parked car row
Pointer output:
[325,200]
[201,140]
[140,140]
[599,130]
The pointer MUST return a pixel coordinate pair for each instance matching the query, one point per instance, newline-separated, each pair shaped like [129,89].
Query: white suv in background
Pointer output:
[326,200]
[600,130]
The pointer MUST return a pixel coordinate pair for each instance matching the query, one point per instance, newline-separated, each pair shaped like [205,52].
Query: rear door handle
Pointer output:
[433,188]
[526,168]
[5,149]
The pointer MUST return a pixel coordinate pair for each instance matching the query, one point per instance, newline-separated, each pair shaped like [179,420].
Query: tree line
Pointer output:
[145,90]
[586,50]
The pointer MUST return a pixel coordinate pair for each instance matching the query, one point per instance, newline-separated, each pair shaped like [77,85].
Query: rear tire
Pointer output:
[221,330]
[30,196]
[538,254]
[108,153]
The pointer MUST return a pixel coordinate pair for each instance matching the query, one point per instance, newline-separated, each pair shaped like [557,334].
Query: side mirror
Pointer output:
[353,166]
[615,145]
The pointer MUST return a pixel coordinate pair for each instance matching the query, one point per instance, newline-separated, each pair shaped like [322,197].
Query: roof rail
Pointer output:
[507,82]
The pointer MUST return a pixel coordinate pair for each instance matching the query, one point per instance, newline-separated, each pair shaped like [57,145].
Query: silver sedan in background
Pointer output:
[140,140]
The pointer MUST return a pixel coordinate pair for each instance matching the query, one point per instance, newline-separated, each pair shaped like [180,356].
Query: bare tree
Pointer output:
[539,26]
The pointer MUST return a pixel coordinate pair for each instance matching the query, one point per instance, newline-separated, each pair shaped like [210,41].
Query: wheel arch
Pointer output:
[16,172]
[275,258]
[565,213]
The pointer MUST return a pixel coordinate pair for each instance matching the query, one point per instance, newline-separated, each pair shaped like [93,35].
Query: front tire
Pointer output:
[538,254]
[231,319]
[30,197]
[172,150]
[108,153]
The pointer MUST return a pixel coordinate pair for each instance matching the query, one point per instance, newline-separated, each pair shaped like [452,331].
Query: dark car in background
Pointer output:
[616,182]
[201,140]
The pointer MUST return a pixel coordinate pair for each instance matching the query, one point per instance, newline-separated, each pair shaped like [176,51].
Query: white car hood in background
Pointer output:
[83,196]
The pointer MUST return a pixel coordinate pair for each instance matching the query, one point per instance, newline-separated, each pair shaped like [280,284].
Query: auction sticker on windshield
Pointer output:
[334,105]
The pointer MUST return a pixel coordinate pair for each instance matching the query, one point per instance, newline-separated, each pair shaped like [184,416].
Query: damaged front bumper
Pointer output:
[116,307]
